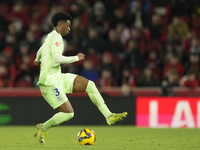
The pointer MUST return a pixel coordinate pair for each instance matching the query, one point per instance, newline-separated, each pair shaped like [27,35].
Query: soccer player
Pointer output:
[54,85]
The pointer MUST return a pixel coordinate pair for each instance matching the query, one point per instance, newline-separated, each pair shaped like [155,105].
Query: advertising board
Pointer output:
[163,112]
[33,110]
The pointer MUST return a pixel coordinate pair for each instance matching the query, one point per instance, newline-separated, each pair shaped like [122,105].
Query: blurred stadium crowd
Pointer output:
[139,43]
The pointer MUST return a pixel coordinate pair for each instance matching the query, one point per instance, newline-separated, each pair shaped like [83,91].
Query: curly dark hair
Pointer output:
[60,16]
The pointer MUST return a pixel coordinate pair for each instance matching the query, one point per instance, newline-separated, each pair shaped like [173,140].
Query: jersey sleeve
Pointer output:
[38,55]
[58,58]
[57,45]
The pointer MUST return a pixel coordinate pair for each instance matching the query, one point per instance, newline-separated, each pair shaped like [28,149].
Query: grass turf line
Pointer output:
[108,138]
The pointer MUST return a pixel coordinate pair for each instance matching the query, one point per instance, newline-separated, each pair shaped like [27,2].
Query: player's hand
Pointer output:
[36,62]
[81,56]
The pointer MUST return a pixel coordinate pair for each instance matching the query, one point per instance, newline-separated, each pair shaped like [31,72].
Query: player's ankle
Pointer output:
[108,115]
[43,128]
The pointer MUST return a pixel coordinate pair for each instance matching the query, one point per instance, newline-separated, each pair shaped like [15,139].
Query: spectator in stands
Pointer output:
[72,68]
[32,41]
[177,29]
[8,53]
[19,12]
[35,29]
[153,62]
[161,7]
[192,62]
[172,78]
[175,64]
[93,44]
[4,23]
[181,8]
[133,57]
[112,27]
[166,51]
[99,16]
[75,9]
[147,6]
[137,17]
[139,36]
[107,63]
[195,46]
[23,57]
[106,79]
[136,34]
[166,89]
[147,79]
[194,7]
[186,43]
[46,24]
[76,34]
[23,49]
[12,29]
[127,77]
[79,9]
[9,41]
[123,32]
[28,73]
[88,71]
[36,16]
[152,59]
[113,44]
[126,91]
[118,16]
[7,71]
[157,32]
[3,75]
[191,80]
[86,10]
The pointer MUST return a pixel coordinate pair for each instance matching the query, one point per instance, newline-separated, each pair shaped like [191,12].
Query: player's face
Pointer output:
[65,28]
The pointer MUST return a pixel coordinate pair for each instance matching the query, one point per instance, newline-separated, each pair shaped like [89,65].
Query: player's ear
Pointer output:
[59,24]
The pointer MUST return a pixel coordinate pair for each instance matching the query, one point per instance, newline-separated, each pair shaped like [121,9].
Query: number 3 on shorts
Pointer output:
[57,93]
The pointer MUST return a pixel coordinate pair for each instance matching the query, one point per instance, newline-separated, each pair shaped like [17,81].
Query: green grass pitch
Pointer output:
[108,138]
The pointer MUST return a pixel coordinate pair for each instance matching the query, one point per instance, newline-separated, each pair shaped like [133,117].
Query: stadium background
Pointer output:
[133,48]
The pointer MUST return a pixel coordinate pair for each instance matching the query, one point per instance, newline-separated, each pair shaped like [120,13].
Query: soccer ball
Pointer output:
[86,137]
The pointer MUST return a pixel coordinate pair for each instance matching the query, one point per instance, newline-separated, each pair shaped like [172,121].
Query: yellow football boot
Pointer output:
[41,135]
[115,117]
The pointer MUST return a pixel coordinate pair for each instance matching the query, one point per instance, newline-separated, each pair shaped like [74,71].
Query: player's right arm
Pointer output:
[81,56]
[58,58]
[57,50]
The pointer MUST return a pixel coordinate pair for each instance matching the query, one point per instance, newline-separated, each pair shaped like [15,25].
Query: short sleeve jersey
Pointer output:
[50,72]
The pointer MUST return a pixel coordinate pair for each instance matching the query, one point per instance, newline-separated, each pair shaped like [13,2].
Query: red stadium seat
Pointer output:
[116,60]
[164,20]
[25,9]
[24,83]
[196,22]
[46,2]
[185,19]
[94,58]
[135,71]
[3,9]
[42,8]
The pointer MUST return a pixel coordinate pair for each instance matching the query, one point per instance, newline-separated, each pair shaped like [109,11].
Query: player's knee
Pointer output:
[68,116]
[90,86]
[71,115]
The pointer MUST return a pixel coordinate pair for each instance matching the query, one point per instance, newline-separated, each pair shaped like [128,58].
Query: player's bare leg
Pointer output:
[66,107]
[82,84]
